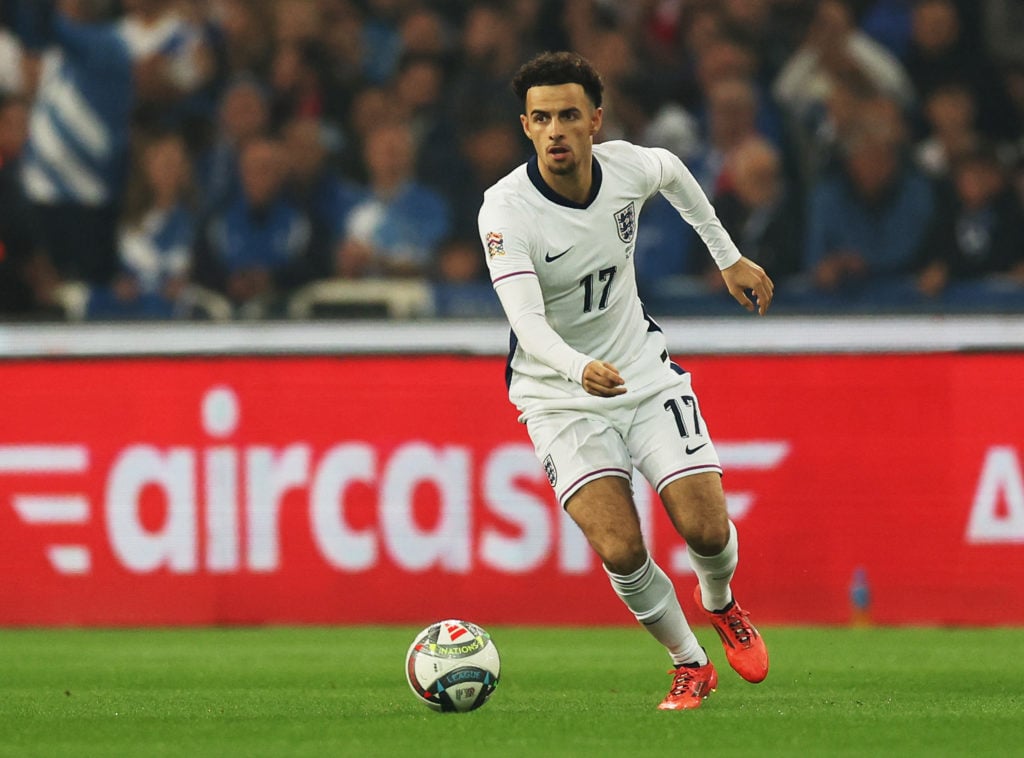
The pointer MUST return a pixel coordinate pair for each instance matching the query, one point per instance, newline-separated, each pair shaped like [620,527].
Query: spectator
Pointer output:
[1014,75]
[325,76]
[380,41]
[819,152]
[314,185]
[888,22]
[869,220]
[679,45]
[610,51]
[1004,30]
[941,53]
[247,29]
[487,153]
[296,84]
[759,212]
[660,33]
[194,115]
[395,231]
[460,285]
[491,52]
[12,64]
[417,90]
[756,20]
[75,162]
[731,120]
[671,108]
[665,250]
[260,244]
[730,57]
[672,127]
[536,25]
[155,239]
[833,44]
[14,113]
[978,229]
[244,115]
[27,281]
[417,96]
[950,114]
[724,57]
[424,34]
[371,106]
[342,38]
[459,262]
[171,60]
[72,179]
[180,74]
[296,22]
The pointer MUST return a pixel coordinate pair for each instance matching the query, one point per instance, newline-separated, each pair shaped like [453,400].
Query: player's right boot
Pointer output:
[690,687]
[743,645]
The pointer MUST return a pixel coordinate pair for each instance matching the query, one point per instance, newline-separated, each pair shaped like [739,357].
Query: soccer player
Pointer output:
[589,370]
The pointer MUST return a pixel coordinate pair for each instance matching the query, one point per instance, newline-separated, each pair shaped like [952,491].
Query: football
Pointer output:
[453,665]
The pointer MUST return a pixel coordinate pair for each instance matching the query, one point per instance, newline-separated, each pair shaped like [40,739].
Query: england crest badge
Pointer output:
[625,223]
[550,470]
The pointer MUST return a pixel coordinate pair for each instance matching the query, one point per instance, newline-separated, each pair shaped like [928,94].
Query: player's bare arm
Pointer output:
[603,379]
[745,275]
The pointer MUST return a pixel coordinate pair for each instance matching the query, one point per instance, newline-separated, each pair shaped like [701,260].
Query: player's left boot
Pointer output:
[744,647]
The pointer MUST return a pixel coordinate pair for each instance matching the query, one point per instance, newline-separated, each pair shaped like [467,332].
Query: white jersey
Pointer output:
[582,257]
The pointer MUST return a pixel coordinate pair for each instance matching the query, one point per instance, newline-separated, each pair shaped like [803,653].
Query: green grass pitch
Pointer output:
[284,691]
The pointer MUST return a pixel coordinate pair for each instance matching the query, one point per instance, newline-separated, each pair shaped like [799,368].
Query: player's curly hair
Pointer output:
[558,68]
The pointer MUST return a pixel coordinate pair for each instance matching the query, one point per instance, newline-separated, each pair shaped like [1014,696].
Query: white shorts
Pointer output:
[663,436]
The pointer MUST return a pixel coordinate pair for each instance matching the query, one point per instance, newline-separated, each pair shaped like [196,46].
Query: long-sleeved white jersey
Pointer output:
[565,276]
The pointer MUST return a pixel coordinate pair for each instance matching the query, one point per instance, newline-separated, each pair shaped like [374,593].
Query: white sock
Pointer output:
[715,572]
[650,595]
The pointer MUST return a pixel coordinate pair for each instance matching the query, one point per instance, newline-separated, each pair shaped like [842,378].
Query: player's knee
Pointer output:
[623,556]
[709,537]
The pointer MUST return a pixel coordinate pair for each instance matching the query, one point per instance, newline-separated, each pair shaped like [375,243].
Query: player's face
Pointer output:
[561,122]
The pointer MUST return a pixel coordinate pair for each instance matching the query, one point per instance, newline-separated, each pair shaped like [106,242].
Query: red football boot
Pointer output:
[690,687]
[743,645]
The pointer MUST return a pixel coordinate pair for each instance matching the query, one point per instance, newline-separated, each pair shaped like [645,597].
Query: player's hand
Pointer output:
[603,379]
[745,275]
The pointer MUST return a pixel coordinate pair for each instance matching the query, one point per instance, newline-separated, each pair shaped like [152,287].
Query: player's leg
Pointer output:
[696,506]
[605,512]
[674,451]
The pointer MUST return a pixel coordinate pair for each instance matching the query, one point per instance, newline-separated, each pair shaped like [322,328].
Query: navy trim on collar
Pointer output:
[533,171]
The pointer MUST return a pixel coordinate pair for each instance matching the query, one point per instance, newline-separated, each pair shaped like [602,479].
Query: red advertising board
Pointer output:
[391,489]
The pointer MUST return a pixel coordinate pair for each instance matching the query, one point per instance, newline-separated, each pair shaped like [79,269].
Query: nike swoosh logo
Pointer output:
[550,258]
[692,450]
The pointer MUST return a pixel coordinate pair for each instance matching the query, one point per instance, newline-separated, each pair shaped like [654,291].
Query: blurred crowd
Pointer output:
[158,156]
